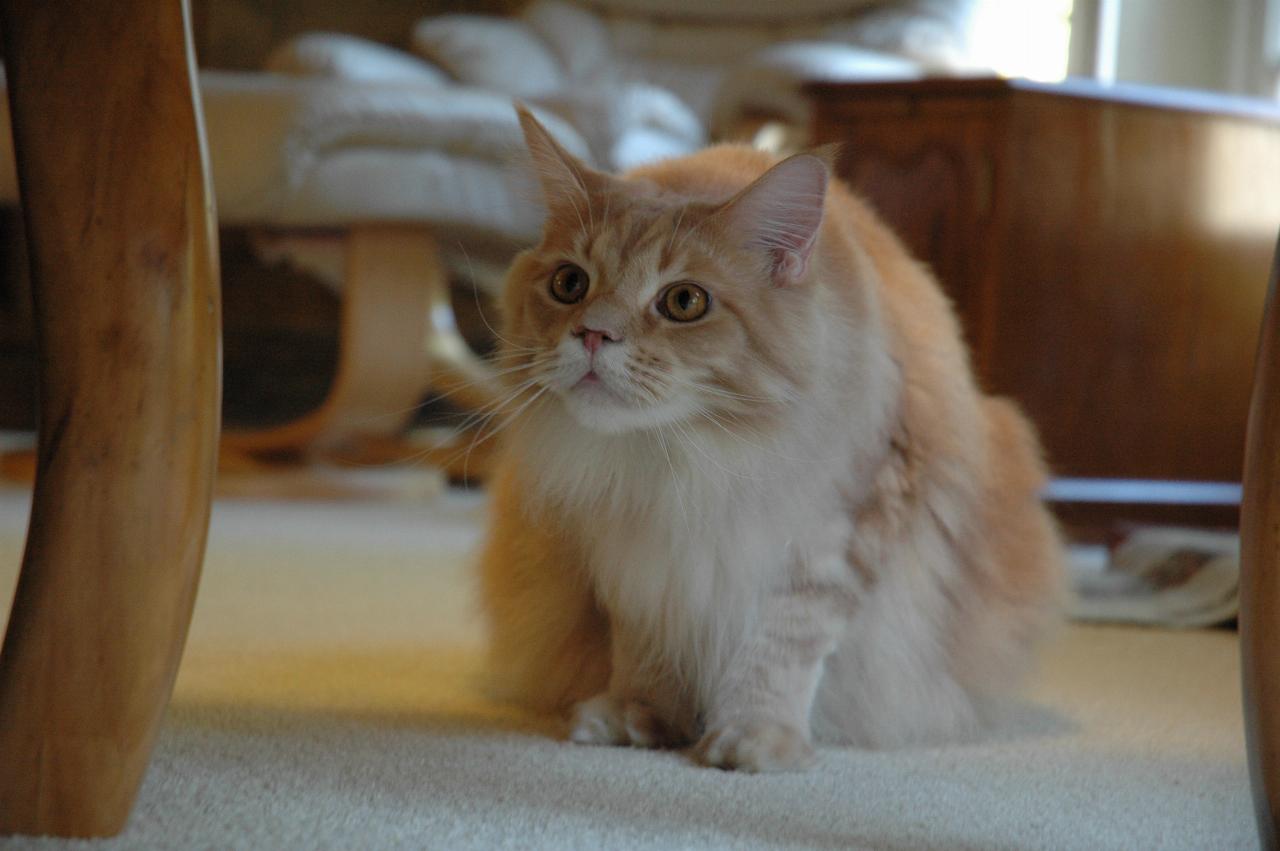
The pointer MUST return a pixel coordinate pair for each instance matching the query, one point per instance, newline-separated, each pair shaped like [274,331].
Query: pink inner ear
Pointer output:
[790,266]
[781,213]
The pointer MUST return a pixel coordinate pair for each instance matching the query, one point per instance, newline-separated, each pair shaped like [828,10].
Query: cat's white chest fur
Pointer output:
[683,539]
[688,562]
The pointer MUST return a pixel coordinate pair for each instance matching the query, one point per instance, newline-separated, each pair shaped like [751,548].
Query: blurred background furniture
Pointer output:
[647,78]
[1107,248]
[120,219]
[369,186]
[338,138]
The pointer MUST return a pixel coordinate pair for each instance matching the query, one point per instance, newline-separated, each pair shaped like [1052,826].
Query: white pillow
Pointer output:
[490,52]
[935,33]
[732,11]
[620,120]
[578,38]
[333,55]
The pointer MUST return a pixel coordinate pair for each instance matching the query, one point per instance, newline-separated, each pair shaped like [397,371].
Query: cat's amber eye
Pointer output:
[569,284]
[684,302]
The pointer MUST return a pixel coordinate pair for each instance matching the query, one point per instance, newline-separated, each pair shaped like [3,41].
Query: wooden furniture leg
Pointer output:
[1260,574]
[118,210]
[397,339]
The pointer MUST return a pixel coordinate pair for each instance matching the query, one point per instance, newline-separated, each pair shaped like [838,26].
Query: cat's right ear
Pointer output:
[563,177]
[781,214]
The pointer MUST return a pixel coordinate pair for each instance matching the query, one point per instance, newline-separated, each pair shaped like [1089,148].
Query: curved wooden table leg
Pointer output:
[1260,574]
[119,219]
[397,339]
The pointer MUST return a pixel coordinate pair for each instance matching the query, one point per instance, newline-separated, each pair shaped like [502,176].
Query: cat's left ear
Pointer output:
[780,214]
[564,178]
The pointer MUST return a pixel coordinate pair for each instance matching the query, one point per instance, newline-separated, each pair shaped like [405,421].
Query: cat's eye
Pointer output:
[569,284]
[684,302]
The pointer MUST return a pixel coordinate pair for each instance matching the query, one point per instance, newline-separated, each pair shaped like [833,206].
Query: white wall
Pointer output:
[1182,43]
[1199,44]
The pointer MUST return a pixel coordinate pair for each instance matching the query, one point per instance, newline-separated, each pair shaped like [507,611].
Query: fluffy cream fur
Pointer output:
[796,514]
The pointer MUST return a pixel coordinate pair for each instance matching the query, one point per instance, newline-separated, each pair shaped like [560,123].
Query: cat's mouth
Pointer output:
[592,385]
[609,400]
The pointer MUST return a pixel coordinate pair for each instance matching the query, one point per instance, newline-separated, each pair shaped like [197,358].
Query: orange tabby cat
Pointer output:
[750,492]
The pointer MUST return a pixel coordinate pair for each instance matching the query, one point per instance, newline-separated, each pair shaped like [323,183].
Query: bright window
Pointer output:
[1023,38]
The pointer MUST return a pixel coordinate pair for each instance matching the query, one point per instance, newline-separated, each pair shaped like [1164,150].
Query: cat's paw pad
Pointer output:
[756,746]
[604,720]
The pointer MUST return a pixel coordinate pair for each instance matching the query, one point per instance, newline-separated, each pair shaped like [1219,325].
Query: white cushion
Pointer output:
[274,141]
[489,52]
[286,151]
[461,198]
[578,38]
[686,47]
[615,117]
[333,55]
[639,146]
[935,33]
[733,11]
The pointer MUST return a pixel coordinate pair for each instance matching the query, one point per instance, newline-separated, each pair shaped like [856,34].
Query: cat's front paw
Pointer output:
[606,720]
[756,746]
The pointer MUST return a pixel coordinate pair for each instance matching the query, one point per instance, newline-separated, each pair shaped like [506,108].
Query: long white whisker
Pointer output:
[475,294]
[586,196]
[676,228]
[487,411]
[497,373]
[473,418]
[577,212]
[691,441]
[729,394]
[478,440]
[675,481]
[711,417]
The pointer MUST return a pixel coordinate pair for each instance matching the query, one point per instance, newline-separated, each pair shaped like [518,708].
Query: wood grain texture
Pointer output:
[1107,251]
[17,332]
[119,219]
[1260,575]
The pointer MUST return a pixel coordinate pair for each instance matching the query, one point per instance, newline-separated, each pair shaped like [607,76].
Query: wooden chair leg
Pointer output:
[1260,574]
[397,339]
[119,219]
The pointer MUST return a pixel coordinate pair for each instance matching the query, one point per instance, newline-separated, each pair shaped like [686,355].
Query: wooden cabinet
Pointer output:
[1107,249]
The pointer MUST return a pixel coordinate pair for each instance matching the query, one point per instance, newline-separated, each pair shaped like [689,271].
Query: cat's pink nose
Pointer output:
[593,339]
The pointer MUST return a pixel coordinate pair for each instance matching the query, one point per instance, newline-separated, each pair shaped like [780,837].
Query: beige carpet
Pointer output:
[327,700]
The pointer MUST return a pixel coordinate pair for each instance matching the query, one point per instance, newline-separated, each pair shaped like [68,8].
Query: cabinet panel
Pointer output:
[932,180]
[1108,256]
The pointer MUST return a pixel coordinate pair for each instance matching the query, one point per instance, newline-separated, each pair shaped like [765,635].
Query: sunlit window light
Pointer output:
[1023,38]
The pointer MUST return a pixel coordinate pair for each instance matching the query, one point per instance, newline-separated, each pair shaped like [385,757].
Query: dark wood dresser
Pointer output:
[1107,248]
